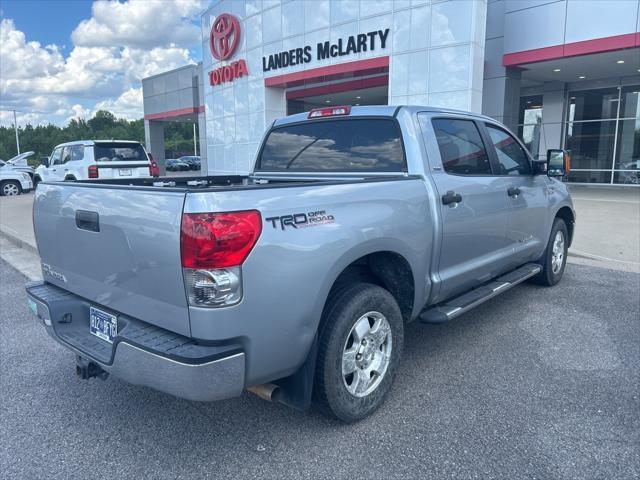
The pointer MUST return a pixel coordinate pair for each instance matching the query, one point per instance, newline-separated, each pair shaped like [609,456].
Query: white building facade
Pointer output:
[563,73]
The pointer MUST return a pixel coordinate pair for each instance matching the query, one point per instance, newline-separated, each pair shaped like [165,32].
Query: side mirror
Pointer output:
[45,161]
[558,163]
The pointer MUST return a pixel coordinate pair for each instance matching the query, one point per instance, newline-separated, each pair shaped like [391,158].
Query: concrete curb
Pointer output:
[591,256]
[16,240]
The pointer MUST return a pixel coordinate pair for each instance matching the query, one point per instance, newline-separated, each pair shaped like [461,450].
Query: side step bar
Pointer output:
[457,306]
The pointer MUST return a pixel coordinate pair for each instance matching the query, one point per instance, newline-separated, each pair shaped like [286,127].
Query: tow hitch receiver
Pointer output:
[86,369]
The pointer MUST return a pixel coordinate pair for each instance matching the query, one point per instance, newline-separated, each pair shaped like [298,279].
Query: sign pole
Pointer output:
[195,142]
[15,126]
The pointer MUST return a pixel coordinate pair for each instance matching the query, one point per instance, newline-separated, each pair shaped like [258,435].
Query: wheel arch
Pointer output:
[12,181]
[567,214]
[387,264]
[388,269]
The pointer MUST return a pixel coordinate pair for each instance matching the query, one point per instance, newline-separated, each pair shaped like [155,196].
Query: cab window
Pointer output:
[512,159]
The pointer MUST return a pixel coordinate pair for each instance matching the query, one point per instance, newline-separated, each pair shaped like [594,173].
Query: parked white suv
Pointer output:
[13,182]
[86,159]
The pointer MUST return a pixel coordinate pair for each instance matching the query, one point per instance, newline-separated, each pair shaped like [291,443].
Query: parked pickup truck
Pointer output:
[295,282]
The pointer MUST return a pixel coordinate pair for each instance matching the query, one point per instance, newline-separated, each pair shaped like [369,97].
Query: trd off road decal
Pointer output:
[301,220]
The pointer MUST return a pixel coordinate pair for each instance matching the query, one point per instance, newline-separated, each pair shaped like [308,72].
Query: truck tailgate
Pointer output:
[119,248]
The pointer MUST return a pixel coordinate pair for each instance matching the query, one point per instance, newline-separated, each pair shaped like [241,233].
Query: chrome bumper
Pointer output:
[218,374]
[215,380]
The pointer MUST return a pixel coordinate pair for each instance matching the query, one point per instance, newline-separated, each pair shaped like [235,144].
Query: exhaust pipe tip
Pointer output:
[266,391]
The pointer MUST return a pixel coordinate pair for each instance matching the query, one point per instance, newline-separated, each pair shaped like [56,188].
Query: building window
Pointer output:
[603,134]
[530,122]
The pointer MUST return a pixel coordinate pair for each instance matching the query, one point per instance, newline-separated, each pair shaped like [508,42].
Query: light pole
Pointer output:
[15,126]
[195,143]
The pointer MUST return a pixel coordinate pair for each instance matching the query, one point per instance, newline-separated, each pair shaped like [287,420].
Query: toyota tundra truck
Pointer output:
[296,282]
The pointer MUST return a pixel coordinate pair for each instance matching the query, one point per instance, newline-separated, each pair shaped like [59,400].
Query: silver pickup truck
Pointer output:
[295,282]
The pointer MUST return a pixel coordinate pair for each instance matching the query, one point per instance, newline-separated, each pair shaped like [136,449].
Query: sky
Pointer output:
[65,59]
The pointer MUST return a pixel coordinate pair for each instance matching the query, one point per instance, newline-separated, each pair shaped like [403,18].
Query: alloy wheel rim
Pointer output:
[366,354]
[557,254]
[10,189]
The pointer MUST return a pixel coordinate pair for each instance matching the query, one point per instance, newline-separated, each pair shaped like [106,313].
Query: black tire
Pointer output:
[342,311]
[548,276]
[9,184]
[36,181]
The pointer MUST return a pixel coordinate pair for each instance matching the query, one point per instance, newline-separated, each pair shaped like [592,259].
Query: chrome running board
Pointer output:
[456,306]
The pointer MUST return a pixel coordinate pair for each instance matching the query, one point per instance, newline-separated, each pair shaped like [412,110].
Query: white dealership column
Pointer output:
[154,142]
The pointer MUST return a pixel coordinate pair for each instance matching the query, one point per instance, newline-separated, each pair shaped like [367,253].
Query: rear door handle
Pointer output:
[513,191]
[451,197]
[86,220]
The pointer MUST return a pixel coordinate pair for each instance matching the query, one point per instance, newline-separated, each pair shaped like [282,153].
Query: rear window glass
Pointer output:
[346,145]
[119,152]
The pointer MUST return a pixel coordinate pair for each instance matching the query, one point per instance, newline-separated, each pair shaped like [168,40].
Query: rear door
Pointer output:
[121,160]
[473,204]
[116,246]
[526,195]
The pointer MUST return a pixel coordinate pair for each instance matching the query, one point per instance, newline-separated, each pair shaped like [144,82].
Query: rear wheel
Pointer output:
[360,346]
[10,188]
[554,259]
[36,181]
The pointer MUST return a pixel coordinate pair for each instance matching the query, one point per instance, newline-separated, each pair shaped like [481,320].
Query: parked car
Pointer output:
[19,163]
[91,159]
[192,161]
[295,282]
[174,165]
[14,182]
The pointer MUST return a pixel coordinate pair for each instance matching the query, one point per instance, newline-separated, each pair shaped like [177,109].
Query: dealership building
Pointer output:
[562,74]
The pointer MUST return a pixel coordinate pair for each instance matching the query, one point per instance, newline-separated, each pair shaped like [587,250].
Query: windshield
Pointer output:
[119,152]
[340,145]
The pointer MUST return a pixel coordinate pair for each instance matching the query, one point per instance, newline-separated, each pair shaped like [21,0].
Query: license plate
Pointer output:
[125,172]
[102,324]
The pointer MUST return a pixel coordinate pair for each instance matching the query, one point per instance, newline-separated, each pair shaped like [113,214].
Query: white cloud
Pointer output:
[139,24]
[113,50]
[128,105]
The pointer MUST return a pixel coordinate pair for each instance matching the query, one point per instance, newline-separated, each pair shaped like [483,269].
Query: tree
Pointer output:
[103,126]
[43,138]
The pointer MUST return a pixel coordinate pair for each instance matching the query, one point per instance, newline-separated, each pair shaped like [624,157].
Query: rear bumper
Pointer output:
[142,354]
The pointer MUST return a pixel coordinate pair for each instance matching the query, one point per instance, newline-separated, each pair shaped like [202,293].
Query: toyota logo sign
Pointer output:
[225,36]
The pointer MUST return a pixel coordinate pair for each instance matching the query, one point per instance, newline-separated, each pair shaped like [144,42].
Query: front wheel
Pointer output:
[554,259]
[359,350]
[10,188]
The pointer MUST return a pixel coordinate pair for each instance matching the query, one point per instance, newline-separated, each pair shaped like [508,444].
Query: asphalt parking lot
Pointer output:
[537,383]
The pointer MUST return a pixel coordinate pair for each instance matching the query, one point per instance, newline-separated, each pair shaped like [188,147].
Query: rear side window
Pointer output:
[346,145]
[75,152]
[461,147]
[119,152]
[512,159]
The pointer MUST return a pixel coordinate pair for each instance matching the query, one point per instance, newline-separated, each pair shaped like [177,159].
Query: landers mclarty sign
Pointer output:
[362,42]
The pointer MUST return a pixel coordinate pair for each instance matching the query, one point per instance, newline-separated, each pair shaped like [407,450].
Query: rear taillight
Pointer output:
[218,240]
[329,112]
[154,170]
[213,247]
[93,171]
